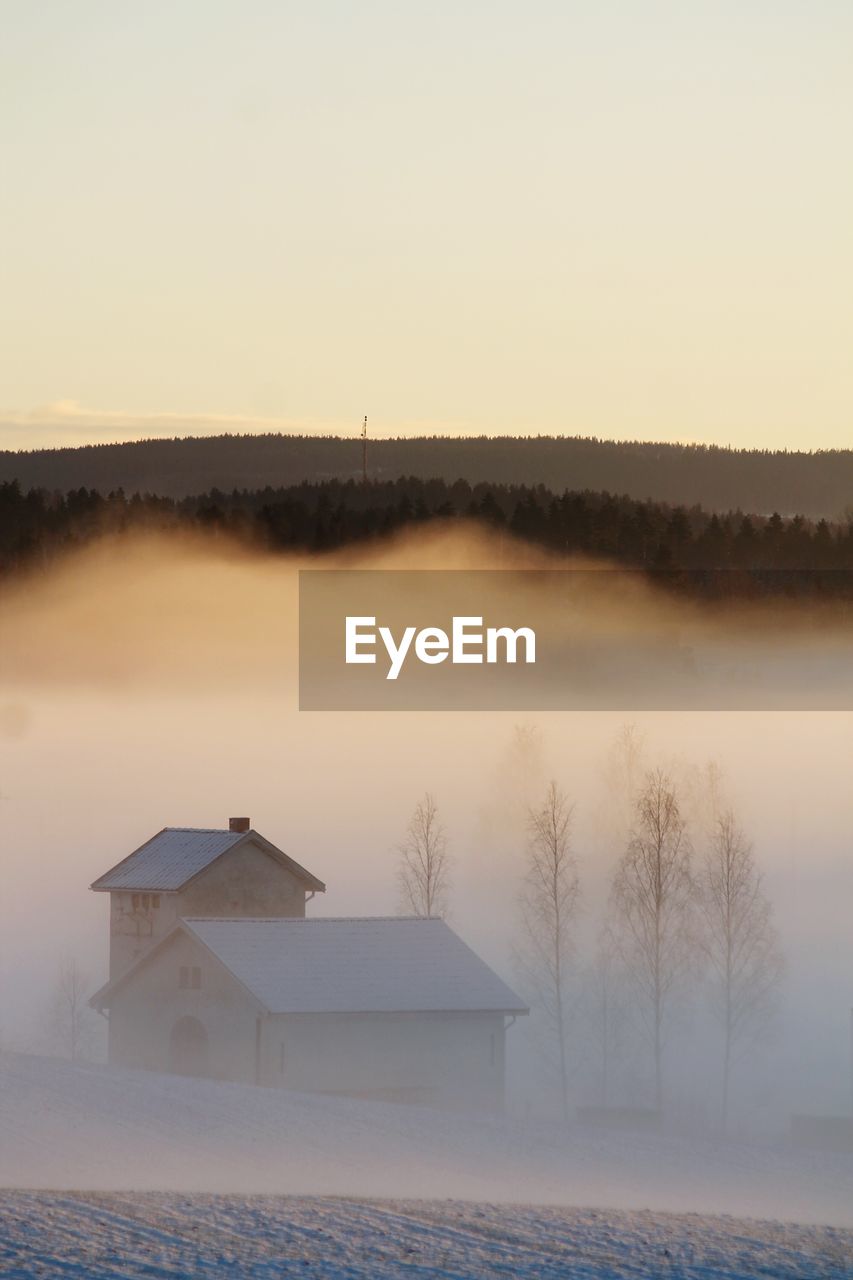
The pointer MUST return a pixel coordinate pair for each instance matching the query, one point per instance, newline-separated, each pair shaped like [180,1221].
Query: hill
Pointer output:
[719,479]
[67,1127]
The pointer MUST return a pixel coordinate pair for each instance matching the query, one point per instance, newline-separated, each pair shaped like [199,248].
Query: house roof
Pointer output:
[379,964]
[370,965]
[176,855]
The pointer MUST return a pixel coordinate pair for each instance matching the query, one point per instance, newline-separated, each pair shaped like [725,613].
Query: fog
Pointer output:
[148,683]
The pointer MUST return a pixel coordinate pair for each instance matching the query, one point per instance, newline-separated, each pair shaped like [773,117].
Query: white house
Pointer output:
[188,871]
[214,971]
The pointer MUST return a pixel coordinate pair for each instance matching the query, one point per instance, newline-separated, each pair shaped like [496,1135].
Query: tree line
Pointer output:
[721,479]
[686,913]
[37,525]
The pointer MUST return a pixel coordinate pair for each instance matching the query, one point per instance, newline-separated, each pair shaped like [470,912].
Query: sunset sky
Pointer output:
[616,218]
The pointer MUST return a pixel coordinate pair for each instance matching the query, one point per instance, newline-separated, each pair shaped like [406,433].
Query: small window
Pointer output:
[146,901]
[196,977]
[155,900]
[135,902]
[184,976]
[281,1058]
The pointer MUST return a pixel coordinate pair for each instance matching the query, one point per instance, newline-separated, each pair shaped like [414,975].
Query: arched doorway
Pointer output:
[189,1048]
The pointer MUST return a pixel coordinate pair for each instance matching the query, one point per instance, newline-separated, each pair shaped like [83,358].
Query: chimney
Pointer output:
[239,824]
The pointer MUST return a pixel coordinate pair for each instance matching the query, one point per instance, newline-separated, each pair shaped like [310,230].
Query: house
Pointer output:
[247,989]
[188,871]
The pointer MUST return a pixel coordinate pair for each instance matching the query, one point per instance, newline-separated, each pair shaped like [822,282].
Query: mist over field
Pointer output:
[148,683]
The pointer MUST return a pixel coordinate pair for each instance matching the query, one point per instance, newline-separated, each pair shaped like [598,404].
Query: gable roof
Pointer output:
[168,861]
[380,964]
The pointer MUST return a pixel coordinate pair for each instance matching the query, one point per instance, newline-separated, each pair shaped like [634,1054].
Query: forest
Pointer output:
[37,525]
[720,479]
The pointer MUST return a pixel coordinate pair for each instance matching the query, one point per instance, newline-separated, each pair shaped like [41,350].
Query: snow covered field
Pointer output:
[169,1236]
[110,1173]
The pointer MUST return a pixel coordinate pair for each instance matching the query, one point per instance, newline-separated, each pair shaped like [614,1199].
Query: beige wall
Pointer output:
[444,1059]
[148,1005]
[242,882]
[132,931]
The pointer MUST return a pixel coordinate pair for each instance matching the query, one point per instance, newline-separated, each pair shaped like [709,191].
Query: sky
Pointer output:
[620,219]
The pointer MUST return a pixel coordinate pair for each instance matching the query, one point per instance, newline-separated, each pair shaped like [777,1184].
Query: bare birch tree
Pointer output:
[739,940]
[70,1016]
[549,902]
[424,871]
[652,899]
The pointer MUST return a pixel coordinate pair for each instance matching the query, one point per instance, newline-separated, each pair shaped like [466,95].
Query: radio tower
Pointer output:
[364,451]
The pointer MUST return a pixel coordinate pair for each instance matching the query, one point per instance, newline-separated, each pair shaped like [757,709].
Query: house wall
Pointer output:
[443,1059]
[132,930]
[242,882]
[146,1008]
[438,1059]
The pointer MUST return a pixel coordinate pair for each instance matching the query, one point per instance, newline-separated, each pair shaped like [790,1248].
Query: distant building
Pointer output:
[188,871]
[214,971]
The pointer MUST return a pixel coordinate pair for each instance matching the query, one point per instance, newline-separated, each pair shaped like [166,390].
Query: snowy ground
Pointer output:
[169,1236]
[437,1195]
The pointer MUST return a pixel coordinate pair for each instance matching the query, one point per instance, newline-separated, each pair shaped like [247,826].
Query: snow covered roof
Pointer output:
[173,857]
[374,964]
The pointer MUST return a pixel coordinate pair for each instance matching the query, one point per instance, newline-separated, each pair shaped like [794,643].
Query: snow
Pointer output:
[173,857]
[128,1174]
[173,1235]
[71,1127]
[169,859]
[372,964]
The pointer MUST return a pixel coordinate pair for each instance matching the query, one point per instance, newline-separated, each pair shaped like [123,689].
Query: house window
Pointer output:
[146,901]
[134,901]
[189,976]
[155,900]
[281,1058]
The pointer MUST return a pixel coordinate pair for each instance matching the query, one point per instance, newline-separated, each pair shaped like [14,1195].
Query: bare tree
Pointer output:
[652,899]
[70,1016]
[425,863]
[549,902]
[739,941]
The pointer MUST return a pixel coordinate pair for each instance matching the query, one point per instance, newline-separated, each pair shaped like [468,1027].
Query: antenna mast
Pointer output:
[364,451]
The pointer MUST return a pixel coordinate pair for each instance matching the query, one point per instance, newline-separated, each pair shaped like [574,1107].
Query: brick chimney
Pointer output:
[239,824]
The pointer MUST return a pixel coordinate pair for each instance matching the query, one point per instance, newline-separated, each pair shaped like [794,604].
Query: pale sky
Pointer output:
[622,218]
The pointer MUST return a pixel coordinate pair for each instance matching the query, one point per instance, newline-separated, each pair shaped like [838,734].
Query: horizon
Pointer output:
[338,433]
